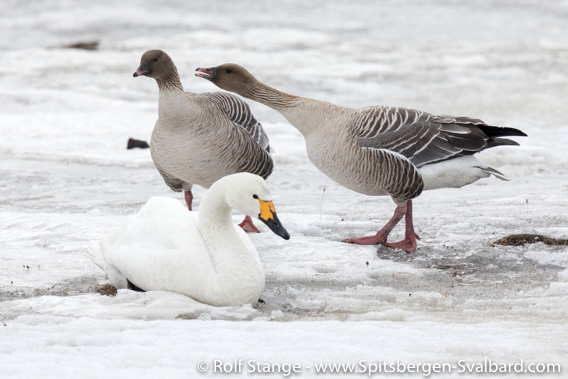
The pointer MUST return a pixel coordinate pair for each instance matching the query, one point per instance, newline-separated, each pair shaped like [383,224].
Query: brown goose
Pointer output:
[200,138]
[378,150]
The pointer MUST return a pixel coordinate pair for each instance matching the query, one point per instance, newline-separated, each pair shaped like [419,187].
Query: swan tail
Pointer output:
[95,253]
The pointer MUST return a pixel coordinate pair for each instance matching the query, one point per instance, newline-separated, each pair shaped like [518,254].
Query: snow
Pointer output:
[67,179]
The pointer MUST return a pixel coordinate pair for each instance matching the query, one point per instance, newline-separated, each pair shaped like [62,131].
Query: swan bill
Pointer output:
[275,225]
[269,217]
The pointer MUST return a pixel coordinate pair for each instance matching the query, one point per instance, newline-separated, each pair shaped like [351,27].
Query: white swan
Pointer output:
[199,254]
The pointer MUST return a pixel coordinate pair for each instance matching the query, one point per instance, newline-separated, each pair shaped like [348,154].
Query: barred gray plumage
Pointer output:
[239,113]
[200,138]
[379,150]
[424,138]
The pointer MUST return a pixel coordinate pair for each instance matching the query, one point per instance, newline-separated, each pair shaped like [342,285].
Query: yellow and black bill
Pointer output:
[269,217]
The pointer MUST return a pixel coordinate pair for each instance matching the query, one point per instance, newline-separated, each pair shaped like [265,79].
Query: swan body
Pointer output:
[199,254]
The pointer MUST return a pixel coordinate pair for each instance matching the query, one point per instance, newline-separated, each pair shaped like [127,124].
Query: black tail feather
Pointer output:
[497,141]
[496,131]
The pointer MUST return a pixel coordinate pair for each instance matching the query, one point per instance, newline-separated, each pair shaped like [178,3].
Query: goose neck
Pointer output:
[174,106]
[307,115]
[171,82]
[269,96]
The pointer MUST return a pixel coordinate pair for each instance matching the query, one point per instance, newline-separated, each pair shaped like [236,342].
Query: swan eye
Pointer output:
[254,196]
[228,70]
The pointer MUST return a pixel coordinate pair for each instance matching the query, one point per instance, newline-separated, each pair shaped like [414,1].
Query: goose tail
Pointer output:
[496,135]
[497,131]
[496,173]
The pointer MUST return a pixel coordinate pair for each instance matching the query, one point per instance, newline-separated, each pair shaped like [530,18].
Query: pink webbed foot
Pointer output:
[408,244]
[248,226]
[370,240]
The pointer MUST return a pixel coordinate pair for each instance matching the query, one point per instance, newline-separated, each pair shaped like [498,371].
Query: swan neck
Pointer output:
[225,246]
[214,212]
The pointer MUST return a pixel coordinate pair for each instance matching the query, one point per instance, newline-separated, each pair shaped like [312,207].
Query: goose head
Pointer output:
[249,194]
[155,64]
[228,76]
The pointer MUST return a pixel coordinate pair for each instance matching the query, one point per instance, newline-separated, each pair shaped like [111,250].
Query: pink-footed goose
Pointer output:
[378,150]
[200,138]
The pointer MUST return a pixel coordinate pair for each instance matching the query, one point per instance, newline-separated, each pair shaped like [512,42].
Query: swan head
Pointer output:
[228,76]
[249,194]
[155,64]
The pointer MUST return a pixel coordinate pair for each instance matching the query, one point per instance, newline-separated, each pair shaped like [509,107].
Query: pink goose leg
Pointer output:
[248,226]
[188,198]
[408,244]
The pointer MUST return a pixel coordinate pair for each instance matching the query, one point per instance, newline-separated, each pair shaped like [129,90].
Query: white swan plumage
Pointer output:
[203,255]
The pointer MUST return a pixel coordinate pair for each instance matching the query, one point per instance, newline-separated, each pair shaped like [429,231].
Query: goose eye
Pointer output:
[155,59]
[254,196]
[228,71]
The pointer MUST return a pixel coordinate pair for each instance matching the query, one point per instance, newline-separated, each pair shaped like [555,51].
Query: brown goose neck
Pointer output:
[268,96]
[170,82]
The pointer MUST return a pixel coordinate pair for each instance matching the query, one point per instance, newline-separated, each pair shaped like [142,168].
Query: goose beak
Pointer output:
[207,73]
[142,70]
[269,217]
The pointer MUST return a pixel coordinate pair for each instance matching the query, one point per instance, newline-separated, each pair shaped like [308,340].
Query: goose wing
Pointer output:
[424,138]
[240,114]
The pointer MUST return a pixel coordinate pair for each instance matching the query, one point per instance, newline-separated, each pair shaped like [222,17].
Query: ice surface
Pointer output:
[67,179]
